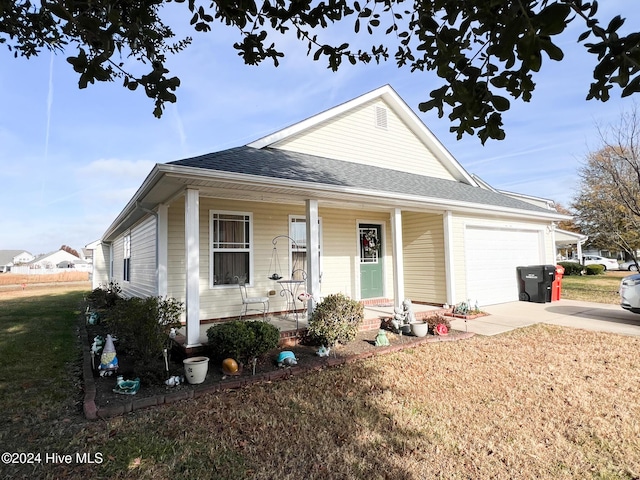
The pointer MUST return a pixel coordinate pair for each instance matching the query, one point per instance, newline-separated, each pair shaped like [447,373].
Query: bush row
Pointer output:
[575,268]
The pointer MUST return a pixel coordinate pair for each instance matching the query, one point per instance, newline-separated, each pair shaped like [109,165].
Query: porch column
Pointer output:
[192,265]
[552,229]
[163,248]
[398,260]
[313,247]
[449,275]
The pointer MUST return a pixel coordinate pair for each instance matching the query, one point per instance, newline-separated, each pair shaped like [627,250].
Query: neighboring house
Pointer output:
[57,259]
[389,211]
[9,258]
[569,245]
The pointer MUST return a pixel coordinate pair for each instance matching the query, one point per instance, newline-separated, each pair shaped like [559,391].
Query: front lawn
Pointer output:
[538,402]
[593,288]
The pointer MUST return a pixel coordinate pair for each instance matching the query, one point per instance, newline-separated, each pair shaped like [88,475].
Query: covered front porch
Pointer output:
[292,329]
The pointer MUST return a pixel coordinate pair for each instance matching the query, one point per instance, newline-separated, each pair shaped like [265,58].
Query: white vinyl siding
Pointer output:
[143,259]
[142,271]
[424,262]
[339,254]
[100,274]
[354,136]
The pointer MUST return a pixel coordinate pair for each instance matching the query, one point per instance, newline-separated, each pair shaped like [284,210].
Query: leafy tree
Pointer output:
[483,50]
[608,203]
[70,250]
[567,225]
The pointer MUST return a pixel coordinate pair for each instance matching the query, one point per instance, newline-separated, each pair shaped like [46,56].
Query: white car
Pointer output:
[631,266]
[607,263]
[630,293]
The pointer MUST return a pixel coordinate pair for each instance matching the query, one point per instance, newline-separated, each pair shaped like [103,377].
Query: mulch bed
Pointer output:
[100,400]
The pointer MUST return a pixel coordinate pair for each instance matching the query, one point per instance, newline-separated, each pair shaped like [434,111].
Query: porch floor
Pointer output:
[288,324]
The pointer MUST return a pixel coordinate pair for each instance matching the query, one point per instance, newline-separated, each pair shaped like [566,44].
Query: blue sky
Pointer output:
[71,159]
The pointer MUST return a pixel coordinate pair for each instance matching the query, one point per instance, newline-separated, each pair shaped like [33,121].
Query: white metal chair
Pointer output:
[248,301]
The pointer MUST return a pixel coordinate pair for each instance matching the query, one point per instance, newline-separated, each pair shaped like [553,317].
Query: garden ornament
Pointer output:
[127,387]
[381,339]
[172,333]
[97,344]
[287,359]
[174,381]
[409,316]
[108,359]
[230,366]
[441,329]
[323,351]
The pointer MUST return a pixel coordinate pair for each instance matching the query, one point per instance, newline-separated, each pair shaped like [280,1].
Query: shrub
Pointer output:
[594,269]
[105,296]
[242,341]
[336,319]
[142,325]
[571,268]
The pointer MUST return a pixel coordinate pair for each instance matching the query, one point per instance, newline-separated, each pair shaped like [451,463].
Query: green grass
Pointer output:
[37,348]
[593,288]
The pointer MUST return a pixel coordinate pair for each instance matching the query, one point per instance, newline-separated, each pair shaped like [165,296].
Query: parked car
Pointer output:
[630,265]
[607,263]
[630,293]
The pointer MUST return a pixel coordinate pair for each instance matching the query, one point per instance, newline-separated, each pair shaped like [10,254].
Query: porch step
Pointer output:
[377,302]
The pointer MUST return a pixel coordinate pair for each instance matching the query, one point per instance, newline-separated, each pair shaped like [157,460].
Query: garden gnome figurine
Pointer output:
[108,360]
[381,339]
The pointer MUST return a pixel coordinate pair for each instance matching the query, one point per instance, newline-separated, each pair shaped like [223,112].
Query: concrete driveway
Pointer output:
[598,317]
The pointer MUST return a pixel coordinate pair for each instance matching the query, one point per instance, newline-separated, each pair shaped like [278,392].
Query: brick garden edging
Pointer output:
[94,412]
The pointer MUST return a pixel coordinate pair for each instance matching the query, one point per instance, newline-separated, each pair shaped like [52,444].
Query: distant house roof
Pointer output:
[7,256]
[288,165]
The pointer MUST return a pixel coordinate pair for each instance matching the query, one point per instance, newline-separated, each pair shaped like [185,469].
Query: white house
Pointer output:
[387,209]
[9,258]
[58,259]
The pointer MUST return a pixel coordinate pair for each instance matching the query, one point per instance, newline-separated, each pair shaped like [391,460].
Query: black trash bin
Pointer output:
[535,282]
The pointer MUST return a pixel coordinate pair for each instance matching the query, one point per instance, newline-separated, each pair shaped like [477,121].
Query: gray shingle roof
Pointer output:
[286,165]
[6,256]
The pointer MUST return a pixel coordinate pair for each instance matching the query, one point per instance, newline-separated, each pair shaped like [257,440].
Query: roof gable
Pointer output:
[377,129]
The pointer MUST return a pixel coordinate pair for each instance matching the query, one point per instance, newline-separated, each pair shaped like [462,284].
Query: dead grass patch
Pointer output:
[540,402]
[18,279]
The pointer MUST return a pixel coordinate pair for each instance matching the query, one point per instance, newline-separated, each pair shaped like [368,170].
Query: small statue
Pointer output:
[287,359]
[323,351]
[381,339]
[97,344]
[409,316]
[172,333]
[174,381]
[108,359]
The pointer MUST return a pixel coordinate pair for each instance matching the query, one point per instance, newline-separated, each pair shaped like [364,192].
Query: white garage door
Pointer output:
[492,256]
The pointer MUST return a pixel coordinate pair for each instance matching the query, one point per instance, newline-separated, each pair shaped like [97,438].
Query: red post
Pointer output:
[556,286]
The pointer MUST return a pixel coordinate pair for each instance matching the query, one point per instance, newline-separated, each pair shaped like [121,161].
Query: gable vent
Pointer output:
[381,117]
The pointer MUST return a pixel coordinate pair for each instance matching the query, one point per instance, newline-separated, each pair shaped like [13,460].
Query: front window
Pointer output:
[298,232]
[126,258]
[230,247]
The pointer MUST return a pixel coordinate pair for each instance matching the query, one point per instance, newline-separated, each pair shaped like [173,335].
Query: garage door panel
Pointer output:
[492,255]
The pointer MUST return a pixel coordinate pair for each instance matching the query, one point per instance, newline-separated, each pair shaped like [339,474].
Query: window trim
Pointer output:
[126,258]
[320,249]
[212,284]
